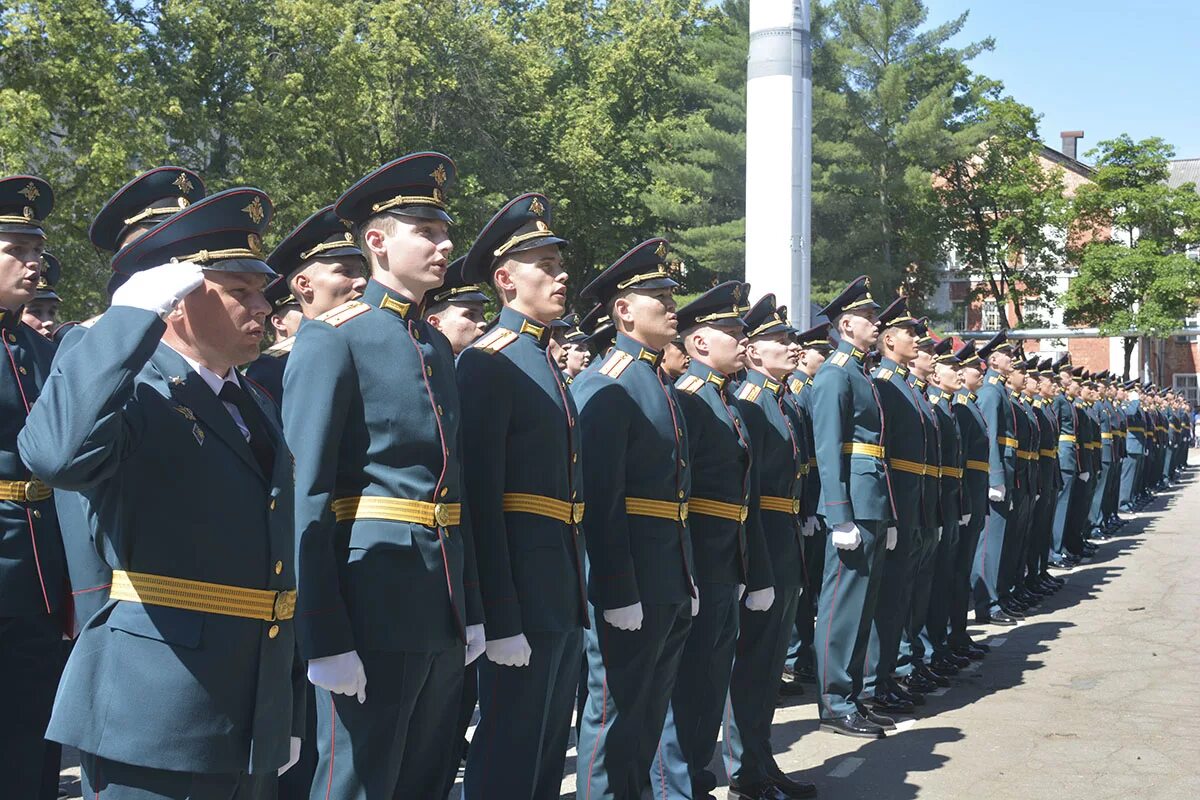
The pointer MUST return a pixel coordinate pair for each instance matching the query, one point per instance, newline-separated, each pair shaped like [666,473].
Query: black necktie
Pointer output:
[260,440]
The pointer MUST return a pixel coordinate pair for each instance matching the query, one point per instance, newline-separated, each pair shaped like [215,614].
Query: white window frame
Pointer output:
[1189,388]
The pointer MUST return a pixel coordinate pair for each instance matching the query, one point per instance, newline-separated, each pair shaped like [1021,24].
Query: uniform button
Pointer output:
[272,504]
[273,631]
[681,494]
[416,333]
[37,514]
[278,567]
[12,338]
[679,431]
[429,370]
[439,410]
[574,457]
[682,463]
[445,491]
[21,370]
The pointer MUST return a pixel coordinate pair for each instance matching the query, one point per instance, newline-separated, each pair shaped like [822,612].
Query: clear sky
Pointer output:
[1101,66]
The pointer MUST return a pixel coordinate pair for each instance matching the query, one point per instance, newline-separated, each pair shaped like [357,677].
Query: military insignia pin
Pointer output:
[255,211]
[198,433]
[536,208]
[182,183]
[175,380]
[661,251]
[31,192]
[439,174]
[186,413]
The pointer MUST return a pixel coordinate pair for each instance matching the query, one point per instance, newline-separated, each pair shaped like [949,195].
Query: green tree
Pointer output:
[1004,210]
[1141,279]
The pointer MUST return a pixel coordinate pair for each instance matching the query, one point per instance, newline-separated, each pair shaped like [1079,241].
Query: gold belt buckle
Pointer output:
[441,515]
[795,506]
[577,512]
[683,512]
[35,490]
[743,512]
[285,605]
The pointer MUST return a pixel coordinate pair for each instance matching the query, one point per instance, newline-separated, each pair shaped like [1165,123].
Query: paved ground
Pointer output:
[1096,697]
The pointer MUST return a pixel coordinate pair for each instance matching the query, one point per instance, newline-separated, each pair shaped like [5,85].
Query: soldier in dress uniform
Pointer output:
[996,407]
[579,356]
[907,456]
[779,442]
[1025,490]
[41,313]
[389,606]
[974,437]
[526,501]
[1088,436]
[33,576]
[1133,467]
[1070,462]
[600,331]
[1108,426]
[1037,579]
[637,483]
[197,626]
[856,501]
[321,268]
[815,348]
[730,551]
[456,308]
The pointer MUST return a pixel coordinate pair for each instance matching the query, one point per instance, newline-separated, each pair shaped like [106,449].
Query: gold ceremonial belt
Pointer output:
[982,466]
[914,467]
[1066,437]
[1136,430]
[1092,445]
[1104,435]
[863,449]
[208,598]
[717,508]
[419,512]
[951,472]
[784,505]
[662,509]
[1048,453]
[812,462]
[1028,455]
[561,510]
[1008,441]
[24,491]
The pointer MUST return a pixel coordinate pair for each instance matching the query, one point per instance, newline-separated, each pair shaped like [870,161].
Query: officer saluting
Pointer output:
[637,481]
[857,505]
[198,623]
[32,568]
[525,491]
[728,542]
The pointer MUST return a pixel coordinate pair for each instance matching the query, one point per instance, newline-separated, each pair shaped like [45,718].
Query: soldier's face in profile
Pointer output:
[675,360]
[972,378]
[42,316]
[773,354]
[327,283]
[949,377]
[901,342]
[286,321]
[534,282]
[860,329]
[811,359]
[20,268]
[648,315]
[578,358]
[416,251]
[224,319]
[461,323]
[722,347]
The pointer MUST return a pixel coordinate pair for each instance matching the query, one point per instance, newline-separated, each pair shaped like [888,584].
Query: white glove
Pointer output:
[475,643]
[511,651]
[1037,497]
[808,527]
[695,600]
[741,591]
[627,618]
[846,536]
[159,289]
[760,599]
[1083,476]
[938,535]
[964,519]
[892,536]
[340,674]
[996,493]
[293,755]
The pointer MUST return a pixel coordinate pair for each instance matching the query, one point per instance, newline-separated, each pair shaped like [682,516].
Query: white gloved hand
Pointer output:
[627,618]
[1083,476]
[695,599]
[964,519]
[996,493]
[760,599]
[340,674]
[892,537]
[741,591]
[475,643]
[293,755]
[808,527]
[846,536]
[1037,497]
[159,289]
[511,651]
[938,536]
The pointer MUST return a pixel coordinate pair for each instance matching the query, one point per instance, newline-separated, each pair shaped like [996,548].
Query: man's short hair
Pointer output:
[388,223]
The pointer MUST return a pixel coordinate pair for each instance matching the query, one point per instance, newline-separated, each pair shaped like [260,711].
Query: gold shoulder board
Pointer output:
[497,340]
[87,323]
[616,364]
[962,399]
[344,313]
[796,385]
[993,380]
[749,392]
[689,384]
[884,374]
[839,359]
[280,348]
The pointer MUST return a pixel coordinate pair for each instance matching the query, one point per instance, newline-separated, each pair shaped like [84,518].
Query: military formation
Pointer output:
[647,519]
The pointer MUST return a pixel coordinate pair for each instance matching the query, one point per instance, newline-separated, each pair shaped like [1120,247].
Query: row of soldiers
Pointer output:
[280,580]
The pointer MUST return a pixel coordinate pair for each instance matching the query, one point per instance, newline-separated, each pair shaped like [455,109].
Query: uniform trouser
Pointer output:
[1096,509]
[1015,535]
[631,675]
[103,779]
[891,613]
[985,571]
[849,592]
[1079,524]
[800,647]
[296,783]
[964,559]
[1131,466]
[1040,536]
[466,712]
[924,560]
[1112,491]
[935,635]
[753,688]
[693,720]
[1062,511]
[524,722]
[30,664]
[400,742]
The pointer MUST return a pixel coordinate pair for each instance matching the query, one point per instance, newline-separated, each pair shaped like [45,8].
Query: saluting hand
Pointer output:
[159,289]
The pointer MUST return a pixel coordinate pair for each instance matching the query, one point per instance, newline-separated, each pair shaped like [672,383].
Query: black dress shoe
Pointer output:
[967,641]
[790,688]
[943,666]
[1028,596]
[919,684]
[911,695]
[885,722]
[891,703]
[999,616]
[1011,610]
[853,724]
[765,791]
[1060,564]
[790,786]
[932,675]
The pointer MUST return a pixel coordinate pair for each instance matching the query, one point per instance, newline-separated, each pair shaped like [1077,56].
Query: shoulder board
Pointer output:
[961,399]
[839,359]
[993,379]
[749,391]
[935,400]
[884,374]
[689,384]
[280,348]
[87,323]
[344,313]
[796,385]
[615,364]
[496,341]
